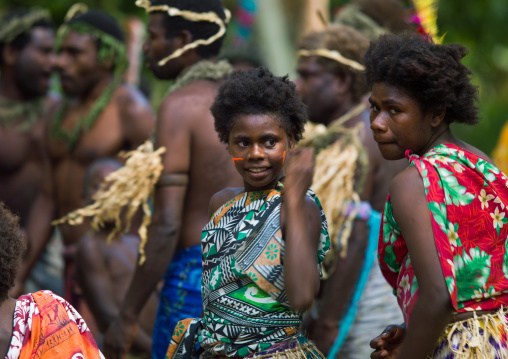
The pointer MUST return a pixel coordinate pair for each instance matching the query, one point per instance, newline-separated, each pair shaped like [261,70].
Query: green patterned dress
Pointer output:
[245,306]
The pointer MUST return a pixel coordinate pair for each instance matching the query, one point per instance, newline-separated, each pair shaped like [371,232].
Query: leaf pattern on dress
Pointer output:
[467,198]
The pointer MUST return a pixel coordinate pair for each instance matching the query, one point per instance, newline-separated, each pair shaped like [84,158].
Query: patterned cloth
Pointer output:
[46,326]
[180,297]
[481,337]
[246,309]
[467,199]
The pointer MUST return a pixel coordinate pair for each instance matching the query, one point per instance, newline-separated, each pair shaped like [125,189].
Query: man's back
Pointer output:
[210,168]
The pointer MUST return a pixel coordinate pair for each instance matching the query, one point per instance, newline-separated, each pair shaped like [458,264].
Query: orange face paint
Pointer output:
[237,159]
[283,157]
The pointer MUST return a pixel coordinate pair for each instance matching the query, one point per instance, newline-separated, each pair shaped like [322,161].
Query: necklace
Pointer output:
[85,123]
[26,113]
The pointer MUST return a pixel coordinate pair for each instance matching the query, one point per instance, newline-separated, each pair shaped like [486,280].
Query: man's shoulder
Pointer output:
[190,100]
[126,93]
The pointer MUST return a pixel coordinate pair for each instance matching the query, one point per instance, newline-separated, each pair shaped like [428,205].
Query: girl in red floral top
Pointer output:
[443,242]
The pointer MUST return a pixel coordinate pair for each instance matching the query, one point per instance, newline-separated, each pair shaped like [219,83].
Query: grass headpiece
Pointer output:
[16,25]
[101,27]
[111,49]
[332,55]
[191,16]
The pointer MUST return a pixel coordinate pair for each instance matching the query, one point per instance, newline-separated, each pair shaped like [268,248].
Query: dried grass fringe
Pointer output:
[129,187]
[303,351]
[340,157]
[478,345]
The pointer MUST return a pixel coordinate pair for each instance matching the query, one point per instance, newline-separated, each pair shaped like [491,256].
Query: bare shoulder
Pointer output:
[126,94]
[221,197]
[475,151]
[189,101]
[407,187]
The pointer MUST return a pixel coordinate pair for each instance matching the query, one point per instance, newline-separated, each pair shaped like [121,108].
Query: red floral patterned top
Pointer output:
[467,198]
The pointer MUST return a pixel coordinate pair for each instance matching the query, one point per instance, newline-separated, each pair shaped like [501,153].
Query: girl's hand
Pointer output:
[299,170]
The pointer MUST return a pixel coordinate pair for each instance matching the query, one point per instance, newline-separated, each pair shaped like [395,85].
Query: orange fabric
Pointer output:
[54,335]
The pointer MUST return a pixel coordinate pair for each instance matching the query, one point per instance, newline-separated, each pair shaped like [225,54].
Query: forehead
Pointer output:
[156,22]
[79,41]
[42,36]
[257,124]
[383,92]
[309,63]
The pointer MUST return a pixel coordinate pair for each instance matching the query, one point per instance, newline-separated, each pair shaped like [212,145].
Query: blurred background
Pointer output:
[267,31]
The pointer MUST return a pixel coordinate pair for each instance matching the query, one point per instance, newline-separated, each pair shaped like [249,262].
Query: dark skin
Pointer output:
[25,76]
[329,97]
[125,123]
[398,123]
[104,271]
[185,128]
[260,141]
[7,307]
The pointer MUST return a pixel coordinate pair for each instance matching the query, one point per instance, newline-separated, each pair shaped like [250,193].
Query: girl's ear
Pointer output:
[437,118]
[291,142]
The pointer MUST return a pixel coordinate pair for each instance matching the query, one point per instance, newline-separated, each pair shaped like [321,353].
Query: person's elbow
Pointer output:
[302,298]
[437,300]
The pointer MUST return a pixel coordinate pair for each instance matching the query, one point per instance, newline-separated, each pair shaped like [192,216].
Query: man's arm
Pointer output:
[43,209]
[173,133]
[137,117]
[94,278]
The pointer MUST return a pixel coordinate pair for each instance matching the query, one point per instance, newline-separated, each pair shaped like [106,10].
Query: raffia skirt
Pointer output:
[484,336]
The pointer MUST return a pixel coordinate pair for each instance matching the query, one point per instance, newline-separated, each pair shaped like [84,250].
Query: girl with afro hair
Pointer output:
[263,247]
[443,244]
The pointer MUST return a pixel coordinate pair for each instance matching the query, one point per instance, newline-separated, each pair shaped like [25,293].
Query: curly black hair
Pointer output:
[430,73]
[12,248]
[254,92]
[350,43]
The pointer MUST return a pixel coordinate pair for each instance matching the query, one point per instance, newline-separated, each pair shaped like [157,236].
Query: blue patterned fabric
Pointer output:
[180,297]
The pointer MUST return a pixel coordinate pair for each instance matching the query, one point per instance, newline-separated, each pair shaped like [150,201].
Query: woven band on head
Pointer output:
[22,24]
[333,55]
[191,16]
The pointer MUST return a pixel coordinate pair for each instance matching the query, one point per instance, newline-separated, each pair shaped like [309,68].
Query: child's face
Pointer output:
[258,145]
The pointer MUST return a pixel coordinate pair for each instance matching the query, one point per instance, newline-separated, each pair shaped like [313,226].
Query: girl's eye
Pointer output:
[374,108]
[243,143]
[270,143]
[394,111]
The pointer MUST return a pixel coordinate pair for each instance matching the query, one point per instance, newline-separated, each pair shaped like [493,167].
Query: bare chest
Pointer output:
[103,138]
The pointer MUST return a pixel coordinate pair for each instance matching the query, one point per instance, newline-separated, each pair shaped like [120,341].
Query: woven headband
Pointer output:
[191,16]
[19,25]
[333,55]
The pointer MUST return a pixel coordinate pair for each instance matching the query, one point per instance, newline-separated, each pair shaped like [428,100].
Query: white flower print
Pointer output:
[498,200]
[452,235]
[497,218]
[404,283]
[484,198]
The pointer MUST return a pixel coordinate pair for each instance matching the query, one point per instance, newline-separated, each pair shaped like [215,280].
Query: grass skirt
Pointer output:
[484,336]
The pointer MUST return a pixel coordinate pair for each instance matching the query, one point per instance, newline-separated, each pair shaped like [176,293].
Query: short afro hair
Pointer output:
[13,245]
[350,43]
[198,29]
[430,73]
[256,92]
[23,39]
